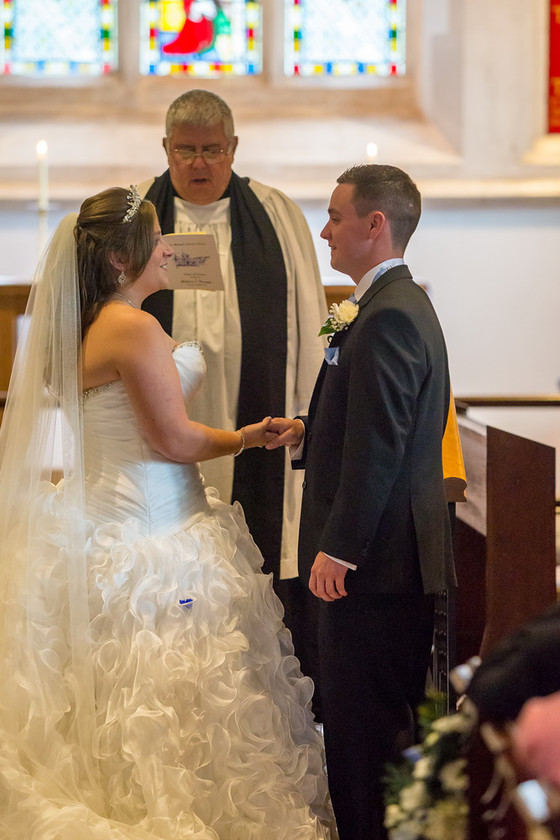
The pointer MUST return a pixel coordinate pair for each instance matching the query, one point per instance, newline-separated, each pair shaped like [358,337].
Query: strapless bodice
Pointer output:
[127,480]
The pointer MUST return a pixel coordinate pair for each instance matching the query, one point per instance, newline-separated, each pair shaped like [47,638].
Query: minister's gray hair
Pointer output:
[198,108]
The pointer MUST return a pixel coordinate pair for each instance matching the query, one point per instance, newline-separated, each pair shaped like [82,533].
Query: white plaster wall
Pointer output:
[499,84]
[482,79]
[470,122]
[439,66]
[472,107]
[492,269]
[493,273]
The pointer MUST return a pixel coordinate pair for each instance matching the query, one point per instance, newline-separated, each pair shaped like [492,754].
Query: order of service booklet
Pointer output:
[195,263]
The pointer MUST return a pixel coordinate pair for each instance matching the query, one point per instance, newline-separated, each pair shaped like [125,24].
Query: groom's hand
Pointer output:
[288,432]
[327,578]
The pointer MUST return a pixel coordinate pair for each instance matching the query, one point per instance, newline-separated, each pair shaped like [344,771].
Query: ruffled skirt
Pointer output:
[200,726]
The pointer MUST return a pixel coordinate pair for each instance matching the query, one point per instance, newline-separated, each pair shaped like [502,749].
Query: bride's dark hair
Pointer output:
[101,234]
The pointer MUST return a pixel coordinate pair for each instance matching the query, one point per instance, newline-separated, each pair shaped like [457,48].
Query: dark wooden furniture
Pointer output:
[13,299]
[335,294]
[505,555]
[505,546]
[14,292]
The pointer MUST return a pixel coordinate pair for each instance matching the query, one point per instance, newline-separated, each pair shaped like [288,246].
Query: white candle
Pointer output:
[371,151]
[43,174]
[42,231]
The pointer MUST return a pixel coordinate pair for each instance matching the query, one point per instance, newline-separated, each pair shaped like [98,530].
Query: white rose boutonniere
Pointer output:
[340,317]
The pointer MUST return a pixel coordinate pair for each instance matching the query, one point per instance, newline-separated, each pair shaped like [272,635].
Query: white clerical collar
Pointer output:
[372,275]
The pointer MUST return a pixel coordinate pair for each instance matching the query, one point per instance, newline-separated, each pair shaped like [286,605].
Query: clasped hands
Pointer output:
[273,432]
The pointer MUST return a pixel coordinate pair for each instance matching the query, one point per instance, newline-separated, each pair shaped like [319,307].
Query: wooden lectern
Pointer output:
[505,555]
[505,546]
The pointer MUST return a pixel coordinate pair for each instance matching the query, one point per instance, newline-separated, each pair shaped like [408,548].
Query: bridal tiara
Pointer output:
[134,201]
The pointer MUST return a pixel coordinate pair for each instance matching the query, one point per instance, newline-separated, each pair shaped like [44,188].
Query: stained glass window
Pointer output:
[344,37]
[200,38]
[58,37]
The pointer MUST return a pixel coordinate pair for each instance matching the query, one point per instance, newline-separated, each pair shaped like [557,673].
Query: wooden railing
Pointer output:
[529,401]
[14,292]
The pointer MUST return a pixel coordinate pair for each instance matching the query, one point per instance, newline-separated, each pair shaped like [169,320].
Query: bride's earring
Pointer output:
[121,279]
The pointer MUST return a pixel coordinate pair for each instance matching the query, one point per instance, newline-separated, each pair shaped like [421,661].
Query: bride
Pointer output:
[149,688]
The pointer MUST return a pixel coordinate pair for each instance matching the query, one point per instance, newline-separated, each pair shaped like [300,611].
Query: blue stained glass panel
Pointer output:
[59,37]
[344,37]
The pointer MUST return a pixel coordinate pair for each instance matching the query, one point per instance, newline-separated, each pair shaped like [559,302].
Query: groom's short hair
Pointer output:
[388,189]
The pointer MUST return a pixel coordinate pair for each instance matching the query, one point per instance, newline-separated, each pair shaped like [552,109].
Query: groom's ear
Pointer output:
[377,222]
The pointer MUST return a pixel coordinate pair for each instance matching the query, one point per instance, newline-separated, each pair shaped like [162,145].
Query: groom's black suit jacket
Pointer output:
[373,490]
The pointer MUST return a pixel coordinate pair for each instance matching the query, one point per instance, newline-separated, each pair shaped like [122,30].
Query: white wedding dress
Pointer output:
[202,723]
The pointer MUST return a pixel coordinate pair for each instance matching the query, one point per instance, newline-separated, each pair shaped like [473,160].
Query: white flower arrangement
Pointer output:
[340,317]
[426,794]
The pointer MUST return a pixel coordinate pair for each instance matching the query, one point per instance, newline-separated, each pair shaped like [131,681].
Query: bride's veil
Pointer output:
[46,688]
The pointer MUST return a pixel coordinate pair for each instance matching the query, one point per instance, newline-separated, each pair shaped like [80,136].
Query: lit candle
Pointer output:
[43,175]
[371,151]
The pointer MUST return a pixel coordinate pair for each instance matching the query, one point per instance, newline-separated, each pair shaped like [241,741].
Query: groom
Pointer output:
[374,541]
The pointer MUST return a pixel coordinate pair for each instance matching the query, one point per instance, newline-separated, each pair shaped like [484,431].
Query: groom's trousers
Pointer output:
[374,656]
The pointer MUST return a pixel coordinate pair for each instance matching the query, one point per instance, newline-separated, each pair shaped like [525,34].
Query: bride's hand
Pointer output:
[258,434]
